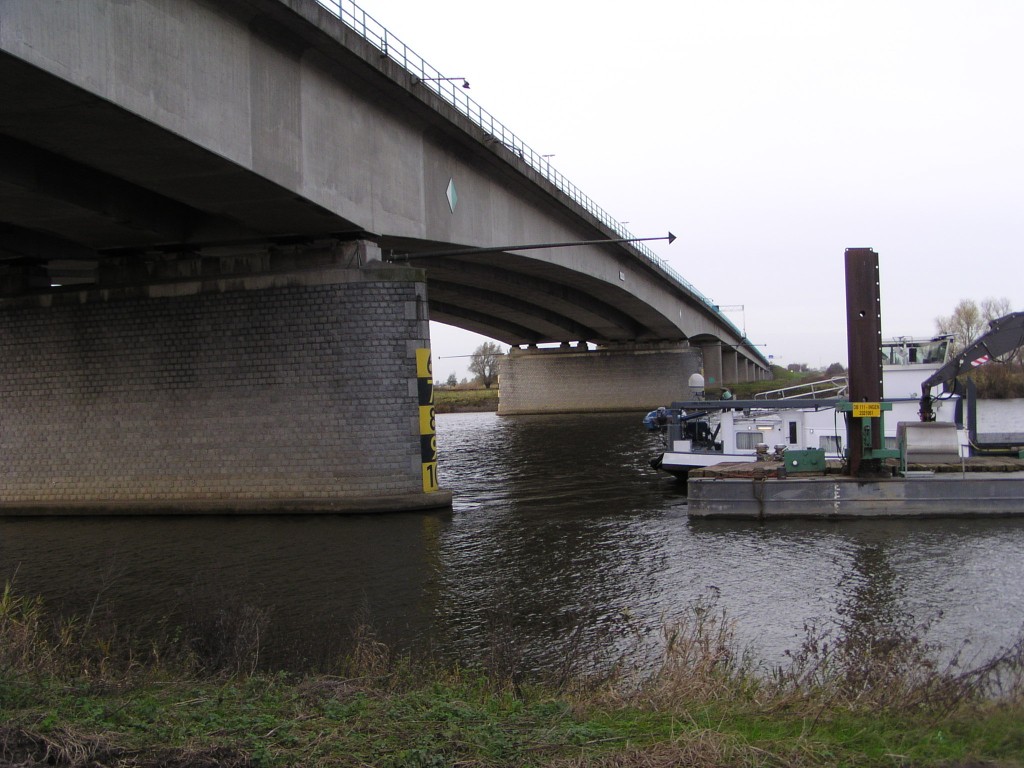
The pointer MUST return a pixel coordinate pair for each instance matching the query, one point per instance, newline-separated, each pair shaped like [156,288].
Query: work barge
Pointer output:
[972,487]
[925,476]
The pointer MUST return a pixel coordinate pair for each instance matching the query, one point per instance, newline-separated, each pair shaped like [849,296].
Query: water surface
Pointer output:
[561,534]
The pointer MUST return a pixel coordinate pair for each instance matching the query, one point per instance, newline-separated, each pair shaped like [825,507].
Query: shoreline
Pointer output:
[200,696]
[465,400]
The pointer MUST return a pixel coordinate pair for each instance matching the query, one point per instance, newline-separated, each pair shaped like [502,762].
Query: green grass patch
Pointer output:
[465,400]
[326,721]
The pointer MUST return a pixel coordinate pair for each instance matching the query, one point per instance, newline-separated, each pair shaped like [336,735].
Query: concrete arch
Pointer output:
[529,302]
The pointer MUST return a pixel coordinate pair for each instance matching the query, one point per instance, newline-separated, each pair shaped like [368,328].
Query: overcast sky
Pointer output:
[769,136]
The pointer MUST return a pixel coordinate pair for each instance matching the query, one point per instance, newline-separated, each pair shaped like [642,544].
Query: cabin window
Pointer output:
[907,351]
[792,433]
[935,352]
[747,441]
[831,444]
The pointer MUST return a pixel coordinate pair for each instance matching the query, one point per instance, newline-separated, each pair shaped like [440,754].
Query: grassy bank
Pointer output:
[456,400]
[76,693]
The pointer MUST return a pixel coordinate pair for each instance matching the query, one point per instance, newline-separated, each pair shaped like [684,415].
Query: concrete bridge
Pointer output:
[205,209]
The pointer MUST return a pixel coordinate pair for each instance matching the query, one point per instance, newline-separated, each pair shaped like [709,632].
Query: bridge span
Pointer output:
[202,206]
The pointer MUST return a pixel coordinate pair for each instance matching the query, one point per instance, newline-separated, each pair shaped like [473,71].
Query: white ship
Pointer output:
[702,433]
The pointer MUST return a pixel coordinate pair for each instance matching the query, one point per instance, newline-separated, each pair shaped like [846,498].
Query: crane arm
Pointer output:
[1005,334]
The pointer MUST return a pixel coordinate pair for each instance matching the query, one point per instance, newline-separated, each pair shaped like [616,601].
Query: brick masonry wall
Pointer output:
[625,378]
[294,392]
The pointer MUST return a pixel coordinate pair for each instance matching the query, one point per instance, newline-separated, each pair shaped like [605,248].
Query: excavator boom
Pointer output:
[1004,335]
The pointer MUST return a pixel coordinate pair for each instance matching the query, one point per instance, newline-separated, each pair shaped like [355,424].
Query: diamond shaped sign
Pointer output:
[452,195]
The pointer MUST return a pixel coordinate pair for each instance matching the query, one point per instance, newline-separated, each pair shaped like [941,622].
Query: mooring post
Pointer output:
[864,347]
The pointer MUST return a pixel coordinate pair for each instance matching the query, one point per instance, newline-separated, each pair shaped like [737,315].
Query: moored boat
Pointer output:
[702,433]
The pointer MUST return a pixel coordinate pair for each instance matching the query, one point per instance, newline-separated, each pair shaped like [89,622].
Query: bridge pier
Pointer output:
[712,354]
[730,365]
[280,381]
[624,377]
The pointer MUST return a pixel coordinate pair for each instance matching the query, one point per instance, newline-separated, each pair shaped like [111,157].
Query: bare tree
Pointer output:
[969,320]
[993,309]
[484,363]
[965,324]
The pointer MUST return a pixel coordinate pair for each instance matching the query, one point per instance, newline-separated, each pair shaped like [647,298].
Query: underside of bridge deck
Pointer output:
[520,300]
[194,199]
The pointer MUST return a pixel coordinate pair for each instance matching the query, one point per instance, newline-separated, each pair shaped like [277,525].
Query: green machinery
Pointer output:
[868,419]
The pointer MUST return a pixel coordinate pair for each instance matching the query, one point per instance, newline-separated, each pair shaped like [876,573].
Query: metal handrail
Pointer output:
[837,385]
[393,48]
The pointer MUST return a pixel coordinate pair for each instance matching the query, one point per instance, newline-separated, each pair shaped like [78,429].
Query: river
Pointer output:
[562,540]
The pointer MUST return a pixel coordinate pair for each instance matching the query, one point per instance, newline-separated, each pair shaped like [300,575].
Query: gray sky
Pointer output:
[769,136]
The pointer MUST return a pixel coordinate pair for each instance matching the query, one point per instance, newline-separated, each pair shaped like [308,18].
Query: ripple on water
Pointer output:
[560,529]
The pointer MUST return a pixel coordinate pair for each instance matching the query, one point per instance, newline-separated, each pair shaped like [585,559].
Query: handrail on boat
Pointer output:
[834,387]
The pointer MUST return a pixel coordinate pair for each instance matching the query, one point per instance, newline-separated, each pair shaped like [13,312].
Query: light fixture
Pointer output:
[465,82]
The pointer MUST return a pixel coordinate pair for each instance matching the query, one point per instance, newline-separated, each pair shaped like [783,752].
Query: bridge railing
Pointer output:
[426,76]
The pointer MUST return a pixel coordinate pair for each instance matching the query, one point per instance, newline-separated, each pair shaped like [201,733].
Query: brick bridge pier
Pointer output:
[284,380]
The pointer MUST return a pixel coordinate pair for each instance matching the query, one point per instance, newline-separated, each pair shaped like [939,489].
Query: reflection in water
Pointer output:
[313,575]
[559,537]
[871,602]
[559,529]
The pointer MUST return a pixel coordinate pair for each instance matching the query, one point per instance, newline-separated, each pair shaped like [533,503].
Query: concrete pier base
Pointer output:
[627,377]
[294,389]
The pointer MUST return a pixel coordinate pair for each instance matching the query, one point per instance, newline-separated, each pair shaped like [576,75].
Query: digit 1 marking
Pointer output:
[430,477]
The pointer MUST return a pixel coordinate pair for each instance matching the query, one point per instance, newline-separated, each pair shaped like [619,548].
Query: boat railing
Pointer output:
[835,387]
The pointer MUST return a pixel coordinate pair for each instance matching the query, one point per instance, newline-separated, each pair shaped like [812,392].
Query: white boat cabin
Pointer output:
[703,438]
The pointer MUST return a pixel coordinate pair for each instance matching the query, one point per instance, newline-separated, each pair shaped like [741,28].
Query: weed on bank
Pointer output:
[86,693]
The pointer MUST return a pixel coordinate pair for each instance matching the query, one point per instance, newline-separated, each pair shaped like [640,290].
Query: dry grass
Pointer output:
[701,660]
[705,748]
[24,748]
[32,644]
[881,666]
[36,644]
[876,664]
[706,703]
